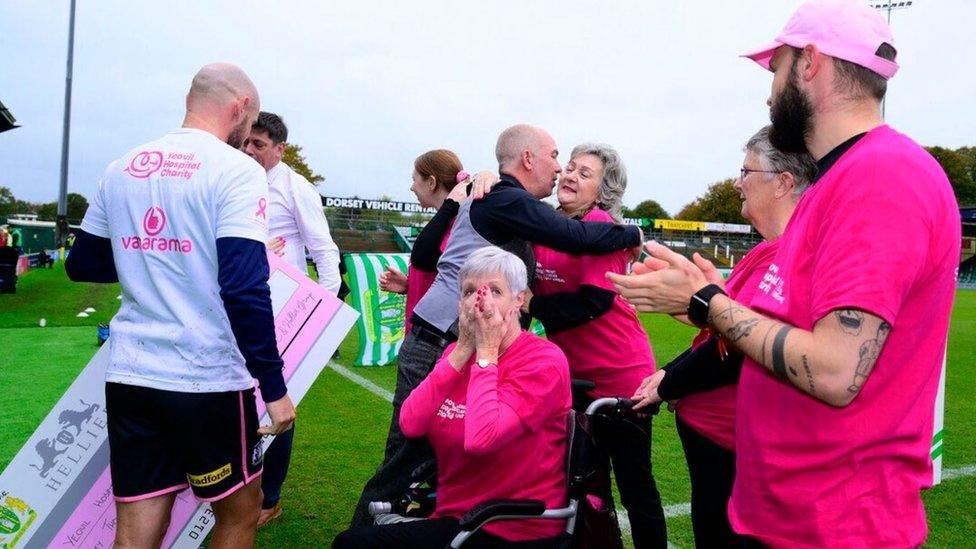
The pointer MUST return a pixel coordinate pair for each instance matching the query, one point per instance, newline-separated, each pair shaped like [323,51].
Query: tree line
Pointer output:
[720,203]
[78,205]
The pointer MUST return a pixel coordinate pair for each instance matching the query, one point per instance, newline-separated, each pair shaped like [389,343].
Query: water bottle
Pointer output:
[103,333]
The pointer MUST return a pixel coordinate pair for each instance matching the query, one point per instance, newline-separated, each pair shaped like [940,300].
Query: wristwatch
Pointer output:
[484,363]
[698,306]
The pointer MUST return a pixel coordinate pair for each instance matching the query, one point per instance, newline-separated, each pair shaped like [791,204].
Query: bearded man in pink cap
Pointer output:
[846,336]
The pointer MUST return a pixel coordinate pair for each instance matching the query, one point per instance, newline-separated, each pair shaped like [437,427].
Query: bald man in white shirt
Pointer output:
[179,222]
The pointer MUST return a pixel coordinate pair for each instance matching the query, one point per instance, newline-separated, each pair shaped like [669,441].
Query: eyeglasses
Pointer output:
[743,172]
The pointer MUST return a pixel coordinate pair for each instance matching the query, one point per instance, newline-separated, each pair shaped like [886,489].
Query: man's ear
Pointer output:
[810,62]
[239,112]
[526,160]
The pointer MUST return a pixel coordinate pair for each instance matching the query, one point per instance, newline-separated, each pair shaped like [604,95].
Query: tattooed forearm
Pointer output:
[727,315]
[779,352]
[741,329]
[809,372]
[868,357]
[762,352]
[850,321]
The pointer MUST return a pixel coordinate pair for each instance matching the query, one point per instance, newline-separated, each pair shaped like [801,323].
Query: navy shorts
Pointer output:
[163,441]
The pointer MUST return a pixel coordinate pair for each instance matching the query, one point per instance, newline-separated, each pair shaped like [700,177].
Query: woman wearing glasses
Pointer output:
[704,377]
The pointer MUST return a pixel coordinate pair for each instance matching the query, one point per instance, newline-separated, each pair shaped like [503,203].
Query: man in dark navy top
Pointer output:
[510,216]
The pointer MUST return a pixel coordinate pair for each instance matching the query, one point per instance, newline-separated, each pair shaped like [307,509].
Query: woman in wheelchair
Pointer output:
[495,410]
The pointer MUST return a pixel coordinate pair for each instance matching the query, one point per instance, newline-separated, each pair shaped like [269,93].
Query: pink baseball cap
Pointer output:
[845,29]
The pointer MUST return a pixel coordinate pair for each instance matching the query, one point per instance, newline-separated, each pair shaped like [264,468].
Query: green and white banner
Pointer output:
[381,324]
[938,428]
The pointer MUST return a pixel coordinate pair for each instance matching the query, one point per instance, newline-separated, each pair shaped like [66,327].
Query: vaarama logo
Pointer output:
[153,223]
[153,244]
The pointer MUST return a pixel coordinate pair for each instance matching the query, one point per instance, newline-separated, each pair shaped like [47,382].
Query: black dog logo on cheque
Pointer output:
[49,450]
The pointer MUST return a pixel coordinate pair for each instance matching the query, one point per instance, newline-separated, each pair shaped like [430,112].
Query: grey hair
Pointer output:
[512,142]
[801,165]
[614,183]
[492,260]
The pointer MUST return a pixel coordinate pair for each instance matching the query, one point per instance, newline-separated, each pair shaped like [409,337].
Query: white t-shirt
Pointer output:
[164,205]
[295,214]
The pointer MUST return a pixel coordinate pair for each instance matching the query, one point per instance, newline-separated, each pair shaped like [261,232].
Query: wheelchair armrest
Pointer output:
[501,507]
[582,385]
[423,471]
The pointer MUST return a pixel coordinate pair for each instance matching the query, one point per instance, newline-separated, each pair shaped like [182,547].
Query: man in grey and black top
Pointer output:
[510,216]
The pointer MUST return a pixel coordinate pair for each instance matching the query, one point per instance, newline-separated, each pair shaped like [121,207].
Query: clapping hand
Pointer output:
[667,284]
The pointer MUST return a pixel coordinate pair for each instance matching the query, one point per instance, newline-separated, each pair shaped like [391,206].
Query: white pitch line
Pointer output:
[677,510]
[361,381]
[959,472]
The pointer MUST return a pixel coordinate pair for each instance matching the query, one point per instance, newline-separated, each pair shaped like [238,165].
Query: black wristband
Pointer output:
[698,305]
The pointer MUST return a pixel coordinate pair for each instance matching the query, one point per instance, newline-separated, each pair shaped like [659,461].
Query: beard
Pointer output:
[792,117]
[239,134]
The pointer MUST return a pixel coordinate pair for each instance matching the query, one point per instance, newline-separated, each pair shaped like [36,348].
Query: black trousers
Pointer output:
[276,461]
[627,441]
[391,480]
[424,534]
[712,471]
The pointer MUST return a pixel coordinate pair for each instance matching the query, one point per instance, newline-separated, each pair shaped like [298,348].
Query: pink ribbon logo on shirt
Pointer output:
[262,206]
[154,221]
[145,164]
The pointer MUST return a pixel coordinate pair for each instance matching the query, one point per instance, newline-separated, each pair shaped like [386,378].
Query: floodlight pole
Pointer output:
[61,226]
[888,6]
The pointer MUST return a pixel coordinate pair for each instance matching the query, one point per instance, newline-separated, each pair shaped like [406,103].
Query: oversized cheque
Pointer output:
[58,491]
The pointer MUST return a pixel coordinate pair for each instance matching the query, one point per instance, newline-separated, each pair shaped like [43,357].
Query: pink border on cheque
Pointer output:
[94,521]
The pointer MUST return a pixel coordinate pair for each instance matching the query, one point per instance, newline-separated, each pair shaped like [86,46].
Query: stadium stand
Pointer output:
[384,229]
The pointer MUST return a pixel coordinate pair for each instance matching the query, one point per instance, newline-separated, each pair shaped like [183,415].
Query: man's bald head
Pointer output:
[218,84]
[514,141]
[224,101]
[529,154]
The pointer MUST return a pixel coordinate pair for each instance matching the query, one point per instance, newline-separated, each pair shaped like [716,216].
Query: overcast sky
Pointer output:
[365,86]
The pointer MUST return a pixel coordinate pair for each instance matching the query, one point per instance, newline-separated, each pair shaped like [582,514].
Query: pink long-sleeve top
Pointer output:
[497,432]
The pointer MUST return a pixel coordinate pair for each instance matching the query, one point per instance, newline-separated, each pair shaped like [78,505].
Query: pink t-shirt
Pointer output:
[712,413]
[612,350]
[879,232]
[418,282]
[513,446]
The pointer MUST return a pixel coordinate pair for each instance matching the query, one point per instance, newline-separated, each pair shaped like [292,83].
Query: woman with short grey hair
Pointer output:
[491,260]
[497,396]
[599,332]
[611,187]
[703,379]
